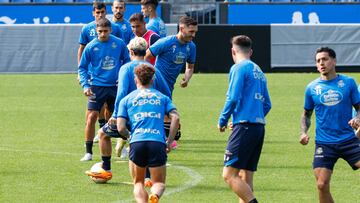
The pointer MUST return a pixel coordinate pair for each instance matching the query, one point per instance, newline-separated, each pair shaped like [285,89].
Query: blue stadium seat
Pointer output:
[323,1]
[84,1]
[42,1]
[4,1]
[281,1]
[237,1]
[302,1]
[20,1]
[260,1]
[345,1]
[64,1]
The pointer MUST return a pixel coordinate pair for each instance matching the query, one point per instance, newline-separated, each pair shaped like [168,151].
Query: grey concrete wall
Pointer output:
[42,48]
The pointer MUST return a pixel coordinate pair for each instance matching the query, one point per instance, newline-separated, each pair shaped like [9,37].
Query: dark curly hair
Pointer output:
[145,73]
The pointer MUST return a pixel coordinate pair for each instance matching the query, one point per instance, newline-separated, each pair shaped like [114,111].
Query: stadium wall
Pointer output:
[277,48]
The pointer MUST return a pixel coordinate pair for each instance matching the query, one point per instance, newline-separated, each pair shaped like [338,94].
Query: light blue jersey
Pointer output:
[105,60]
[171,57]
[125,28]
[332,101]
[157,25]
[247,98]
[127,83]
[88,32]
[145,110]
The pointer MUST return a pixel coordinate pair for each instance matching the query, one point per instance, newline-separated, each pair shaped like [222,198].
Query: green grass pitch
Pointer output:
[41,142]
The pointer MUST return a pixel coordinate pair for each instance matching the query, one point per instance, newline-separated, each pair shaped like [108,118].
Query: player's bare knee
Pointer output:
[227,177]
[323,185]
[357,164]
[92,117]
[102,134]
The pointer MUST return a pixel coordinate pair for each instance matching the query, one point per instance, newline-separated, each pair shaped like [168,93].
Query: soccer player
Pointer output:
[248,102]
[137,48]
[148,8]
[138,26]
[98,70]
[145,109]
[332,96]
[174,51]
[88,33]
[118,9]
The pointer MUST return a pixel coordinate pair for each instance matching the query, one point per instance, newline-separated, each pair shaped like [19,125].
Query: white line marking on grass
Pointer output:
[39,151]
[194,179]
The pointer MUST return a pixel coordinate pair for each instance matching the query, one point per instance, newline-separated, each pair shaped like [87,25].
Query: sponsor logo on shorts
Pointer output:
[319,152]
[227,155]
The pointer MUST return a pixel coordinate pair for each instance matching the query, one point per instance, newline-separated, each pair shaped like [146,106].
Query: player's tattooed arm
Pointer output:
[304,126]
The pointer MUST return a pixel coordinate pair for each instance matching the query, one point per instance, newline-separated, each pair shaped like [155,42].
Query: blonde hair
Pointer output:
[137,43]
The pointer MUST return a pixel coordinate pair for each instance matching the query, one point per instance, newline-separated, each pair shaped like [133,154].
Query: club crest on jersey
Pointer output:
[341,84]
[331,97]
[124,28]
[113,45]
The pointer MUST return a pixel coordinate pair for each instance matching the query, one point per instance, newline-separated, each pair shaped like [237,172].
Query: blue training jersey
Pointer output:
[171,57]
[125,28]
[247,98]
[105,60]
[157,25]
[127,84]
[145,110]
[88,32]
[354,111]
[332,101]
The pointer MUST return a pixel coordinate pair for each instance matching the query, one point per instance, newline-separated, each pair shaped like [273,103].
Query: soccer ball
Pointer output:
[97,168]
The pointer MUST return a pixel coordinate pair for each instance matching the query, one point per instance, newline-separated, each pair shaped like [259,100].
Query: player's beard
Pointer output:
[118,15]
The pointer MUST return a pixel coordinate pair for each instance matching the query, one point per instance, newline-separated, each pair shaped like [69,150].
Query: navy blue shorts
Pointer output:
[111,131]
[102,95]
[326,155]
[148,153]
[244,146]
